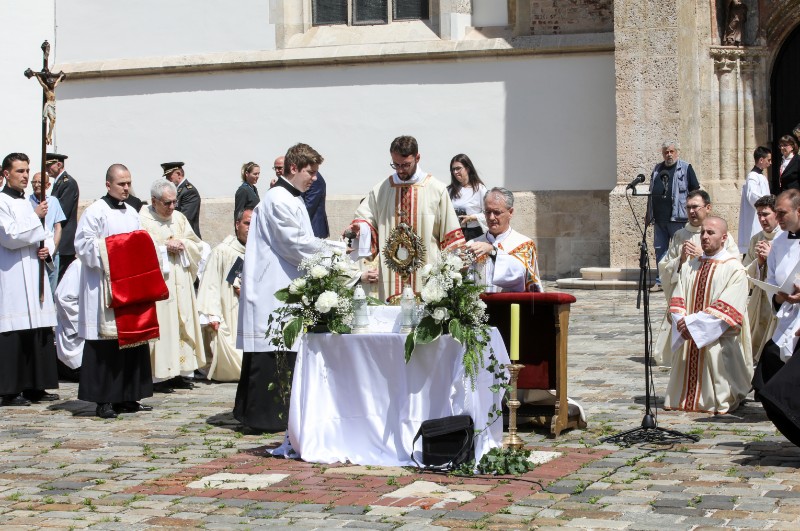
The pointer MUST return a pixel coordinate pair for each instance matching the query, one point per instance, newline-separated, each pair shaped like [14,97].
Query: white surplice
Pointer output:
[755,187]
[179,349]
[20,233]
[280,238]
[99,221]
[781,262]
[712,371]
[423,203]
[515,267]
[668,270]
[69,345]
[217,301]
[759,307]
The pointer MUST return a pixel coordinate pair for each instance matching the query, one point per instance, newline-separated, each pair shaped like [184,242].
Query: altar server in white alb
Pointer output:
[281,237]
[26,335]
[218,301]
[179,351]
[506,260]
[685,244]
[713,364]
[69,344]
[113,377]
[755,187]
[759,307]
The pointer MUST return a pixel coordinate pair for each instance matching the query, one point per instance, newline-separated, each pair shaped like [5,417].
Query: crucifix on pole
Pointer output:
[49,81]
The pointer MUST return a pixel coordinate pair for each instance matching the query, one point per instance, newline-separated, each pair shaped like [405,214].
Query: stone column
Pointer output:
[726,69]
[747,67]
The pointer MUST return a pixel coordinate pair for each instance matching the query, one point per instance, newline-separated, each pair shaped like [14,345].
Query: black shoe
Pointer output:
[179,382]
[40,396]
[163,387]
[105,411]
[131,407]
[15,400]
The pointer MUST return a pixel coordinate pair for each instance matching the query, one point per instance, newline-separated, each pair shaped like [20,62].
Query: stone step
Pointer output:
[581,283]
[604,278]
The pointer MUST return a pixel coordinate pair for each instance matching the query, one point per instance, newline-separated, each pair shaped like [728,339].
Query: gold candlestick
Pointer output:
[511,439]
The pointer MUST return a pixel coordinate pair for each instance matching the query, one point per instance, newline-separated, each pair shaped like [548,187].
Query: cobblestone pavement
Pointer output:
[187,464]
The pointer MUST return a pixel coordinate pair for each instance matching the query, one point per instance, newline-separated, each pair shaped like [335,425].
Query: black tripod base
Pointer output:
[649,433]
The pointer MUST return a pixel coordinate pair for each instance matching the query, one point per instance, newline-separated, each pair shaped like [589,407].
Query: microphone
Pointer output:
[664,175]
[638,180]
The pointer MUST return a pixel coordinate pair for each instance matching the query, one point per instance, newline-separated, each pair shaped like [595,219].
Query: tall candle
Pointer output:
[514,332]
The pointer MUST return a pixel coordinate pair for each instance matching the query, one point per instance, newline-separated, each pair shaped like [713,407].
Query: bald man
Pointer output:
[713,363]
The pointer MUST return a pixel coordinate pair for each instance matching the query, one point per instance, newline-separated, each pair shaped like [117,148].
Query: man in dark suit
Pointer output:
[188,199]
[65,188]
[314,199]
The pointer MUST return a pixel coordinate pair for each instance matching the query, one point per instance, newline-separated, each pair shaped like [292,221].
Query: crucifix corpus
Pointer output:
[49,81]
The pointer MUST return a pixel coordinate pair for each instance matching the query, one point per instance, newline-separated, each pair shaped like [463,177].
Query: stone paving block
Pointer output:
[356,509]
[464,515]
[748,524]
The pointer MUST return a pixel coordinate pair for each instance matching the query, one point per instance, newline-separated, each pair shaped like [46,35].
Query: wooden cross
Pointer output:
[48,81]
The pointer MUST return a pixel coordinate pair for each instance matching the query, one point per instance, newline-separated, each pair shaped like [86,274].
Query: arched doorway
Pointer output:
[785,87]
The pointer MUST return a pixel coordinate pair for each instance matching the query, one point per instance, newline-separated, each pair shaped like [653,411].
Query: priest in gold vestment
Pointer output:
[408,196]
[218,302]
[684,244]
[713,363]
[179,351]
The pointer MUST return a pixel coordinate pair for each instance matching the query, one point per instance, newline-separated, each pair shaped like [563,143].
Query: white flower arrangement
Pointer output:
[452,305]
[321,297]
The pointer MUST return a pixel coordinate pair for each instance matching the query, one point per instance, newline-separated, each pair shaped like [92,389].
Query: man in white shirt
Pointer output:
[505,259]
[755,187]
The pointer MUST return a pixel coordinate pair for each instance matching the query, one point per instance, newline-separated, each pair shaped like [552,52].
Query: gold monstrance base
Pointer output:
[511,439]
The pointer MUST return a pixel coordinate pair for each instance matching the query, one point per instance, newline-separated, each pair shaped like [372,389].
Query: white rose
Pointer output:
[342,267]
[319,271]
[426,271]
[454,261]
[440,314]
[432,293]
[297,285]
[305,300]
[457,278]
[326,301]
[480,304]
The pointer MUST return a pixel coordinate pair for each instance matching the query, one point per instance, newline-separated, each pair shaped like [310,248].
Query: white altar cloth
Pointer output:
[355,399]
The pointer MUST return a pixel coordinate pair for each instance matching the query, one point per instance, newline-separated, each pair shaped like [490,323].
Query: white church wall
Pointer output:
[535,123]
[92,30]
[21,104]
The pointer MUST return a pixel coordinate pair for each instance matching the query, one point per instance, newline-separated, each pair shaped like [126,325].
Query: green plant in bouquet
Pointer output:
[452,305]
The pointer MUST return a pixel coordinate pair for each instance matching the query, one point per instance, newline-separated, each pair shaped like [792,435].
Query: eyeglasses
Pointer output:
[695,207]
[403,166]
[456,169]
[169,203]
[495,213]
[277,168]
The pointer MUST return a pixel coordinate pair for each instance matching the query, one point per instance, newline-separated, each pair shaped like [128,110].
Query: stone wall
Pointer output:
[555,17]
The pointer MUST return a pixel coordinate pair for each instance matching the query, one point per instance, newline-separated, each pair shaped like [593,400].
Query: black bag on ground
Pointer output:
[446,443]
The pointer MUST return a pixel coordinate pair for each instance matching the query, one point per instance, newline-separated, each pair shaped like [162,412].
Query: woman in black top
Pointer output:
[247,193]
[789,170]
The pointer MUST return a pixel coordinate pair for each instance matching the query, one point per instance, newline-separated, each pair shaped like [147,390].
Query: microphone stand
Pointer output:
[649,431]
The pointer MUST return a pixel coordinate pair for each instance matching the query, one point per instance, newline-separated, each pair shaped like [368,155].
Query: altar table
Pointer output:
[355,399]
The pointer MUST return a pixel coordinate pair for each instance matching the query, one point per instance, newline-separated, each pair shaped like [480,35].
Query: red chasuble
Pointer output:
[136,285]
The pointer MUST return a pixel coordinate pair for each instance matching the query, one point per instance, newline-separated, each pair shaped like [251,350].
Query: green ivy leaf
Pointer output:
[339,328]
[427,331]
[291,330]
[457,331]
[409,346]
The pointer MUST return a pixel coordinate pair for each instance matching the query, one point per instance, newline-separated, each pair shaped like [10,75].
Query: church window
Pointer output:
[367,12]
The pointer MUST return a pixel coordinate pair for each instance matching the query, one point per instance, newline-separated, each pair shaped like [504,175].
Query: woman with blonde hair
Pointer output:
[247,193]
